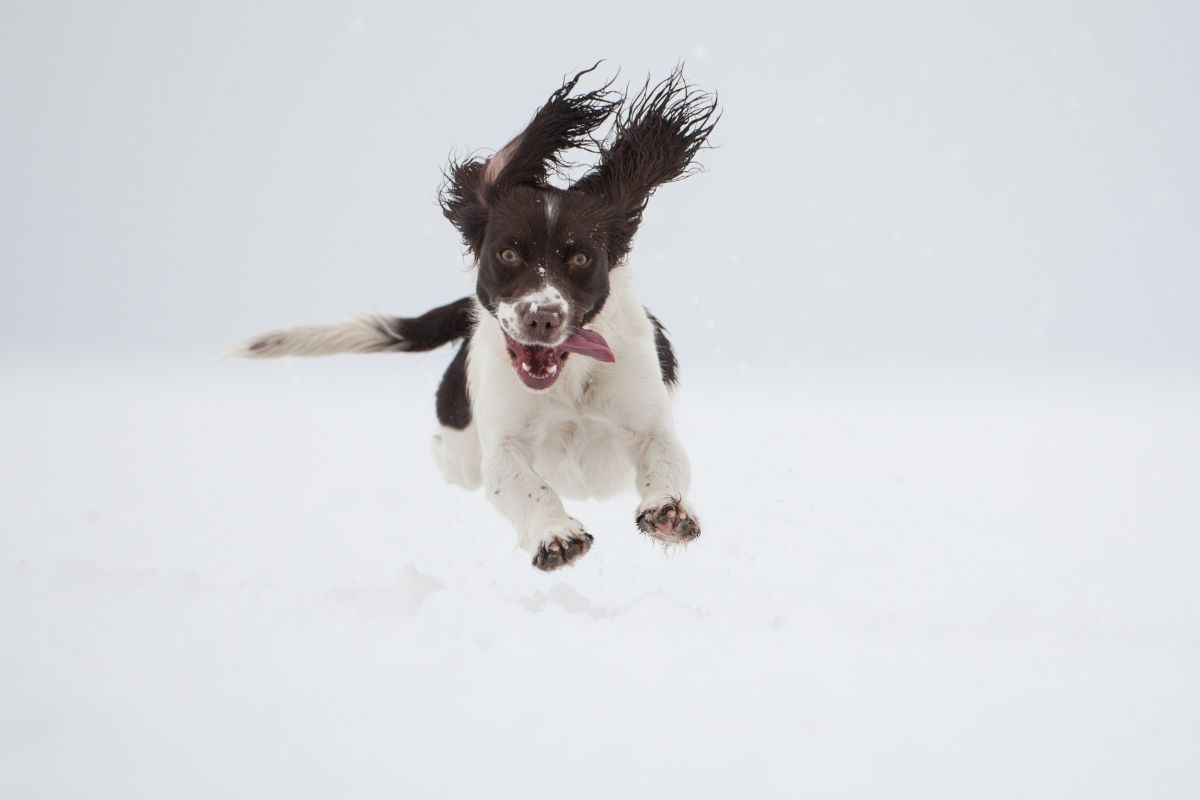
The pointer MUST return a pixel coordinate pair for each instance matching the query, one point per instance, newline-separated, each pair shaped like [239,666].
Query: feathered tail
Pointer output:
[368,334]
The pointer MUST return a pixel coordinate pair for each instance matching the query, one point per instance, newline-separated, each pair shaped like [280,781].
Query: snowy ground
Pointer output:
[229,579]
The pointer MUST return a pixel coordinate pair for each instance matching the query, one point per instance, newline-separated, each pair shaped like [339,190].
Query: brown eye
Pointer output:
[509,256]
[580,260]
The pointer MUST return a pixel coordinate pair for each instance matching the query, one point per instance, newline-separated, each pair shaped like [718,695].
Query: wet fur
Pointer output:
[596,428]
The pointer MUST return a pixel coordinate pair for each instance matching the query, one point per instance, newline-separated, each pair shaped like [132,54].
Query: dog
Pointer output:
[562,386]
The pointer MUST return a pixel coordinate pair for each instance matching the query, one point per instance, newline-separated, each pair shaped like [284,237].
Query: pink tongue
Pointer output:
[590,344]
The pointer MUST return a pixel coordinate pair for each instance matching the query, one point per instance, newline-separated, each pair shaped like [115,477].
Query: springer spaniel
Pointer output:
[562,385]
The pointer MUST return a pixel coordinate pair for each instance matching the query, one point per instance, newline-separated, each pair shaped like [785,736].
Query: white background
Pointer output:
[935,298]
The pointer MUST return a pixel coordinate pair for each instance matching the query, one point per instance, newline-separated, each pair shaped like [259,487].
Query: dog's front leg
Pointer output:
[543,526]
[663,477]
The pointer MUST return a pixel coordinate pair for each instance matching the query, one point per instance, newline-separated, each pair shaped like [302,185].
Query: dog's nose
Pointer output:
[540,319]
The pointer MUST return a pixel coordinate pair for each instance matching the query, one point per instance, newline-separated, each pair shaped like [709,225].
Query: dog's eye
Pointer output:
[509,256]
[580,260]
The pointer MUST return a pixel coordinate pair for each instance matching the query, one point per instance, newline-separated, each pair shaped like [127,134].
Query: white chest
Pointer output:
[582,454]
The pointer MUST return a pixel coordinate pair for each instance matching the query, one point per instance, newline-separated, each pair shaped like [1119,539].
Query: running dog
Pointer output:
[562,385]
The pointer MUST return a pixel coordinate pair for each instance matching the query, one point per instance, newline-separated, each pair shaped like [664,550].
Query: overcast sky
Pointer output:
[901,184]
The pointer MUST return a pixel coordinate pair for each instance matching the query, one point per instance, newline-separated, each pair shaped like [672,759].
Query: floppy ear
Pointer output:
[653,141]
[563,123]
[462,201]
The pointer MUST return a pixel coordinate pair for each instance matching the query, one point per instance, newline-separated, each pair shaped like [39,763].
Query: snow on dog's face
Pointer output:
[543,273]
[544,253]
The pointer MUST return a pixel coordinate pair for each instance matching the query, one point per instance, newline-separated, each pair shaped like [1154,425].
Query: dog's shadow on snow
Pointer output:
[570,600]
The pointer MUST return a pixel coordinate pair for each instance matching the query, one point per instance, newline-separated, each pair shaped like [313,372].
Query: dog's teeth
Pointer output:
[552,369]
[525,366]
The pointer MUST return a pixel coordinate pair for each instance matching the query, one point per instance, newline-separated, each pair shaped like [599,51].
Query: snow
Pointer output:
[934,295]
[224,578]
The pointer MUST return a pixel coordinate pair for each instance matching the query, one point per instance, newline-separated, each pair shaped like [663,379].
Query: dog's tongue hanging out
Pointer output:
[537,367]
[590,344]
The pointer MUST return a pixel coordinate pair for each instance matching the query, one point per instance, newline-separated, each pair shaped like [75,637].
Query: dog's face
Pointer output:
[544,253]
[543,273]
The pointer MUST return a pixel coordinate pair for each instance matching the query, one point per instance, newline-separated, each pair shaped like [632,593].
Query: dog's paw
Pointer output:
[560,546]
[668,521]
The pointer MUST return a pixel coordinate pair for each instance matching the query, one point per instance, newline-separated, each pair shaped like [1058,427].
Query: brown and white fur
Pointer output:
[562,386]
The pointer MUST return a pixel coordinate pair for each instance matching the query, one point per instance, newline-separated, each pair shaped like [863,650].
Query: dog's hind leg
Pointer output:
[456,447]
[458,456]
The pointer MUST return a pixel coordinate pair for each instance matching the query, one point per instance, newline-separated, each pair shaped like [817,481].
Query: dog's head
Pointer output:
[544,253]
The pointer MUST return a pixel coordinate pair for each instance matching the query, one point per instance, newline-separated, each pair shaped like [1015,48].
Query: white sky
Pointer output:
[896,183]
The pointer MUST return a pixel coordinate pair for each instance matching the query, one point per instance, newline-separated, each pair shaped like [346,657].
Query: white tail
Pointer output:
[371,334]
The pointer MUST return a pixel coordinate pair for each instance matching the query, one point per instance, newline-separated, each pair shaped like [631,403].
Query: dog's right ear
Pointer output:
[563,123]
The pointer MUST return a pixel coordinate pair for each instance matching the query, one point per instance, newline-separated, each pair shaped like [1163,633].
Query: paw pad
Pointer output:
[560,551]
[670,523]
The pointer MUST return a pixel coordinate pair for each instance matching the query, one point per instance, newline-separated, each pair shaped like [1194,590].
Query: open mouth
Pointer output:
[539,366]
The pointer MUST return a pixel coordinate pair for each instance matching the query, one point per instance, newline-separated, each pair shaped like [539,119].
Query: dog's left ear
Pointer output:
[654,140]
[563,123]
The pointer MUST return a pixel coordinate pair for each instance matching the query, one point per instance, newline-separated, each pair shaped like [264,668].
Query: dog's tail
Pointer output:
[370,334]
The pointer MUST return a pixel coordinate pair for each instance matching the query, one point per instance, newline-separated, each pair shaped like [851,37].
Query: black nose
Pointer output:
[540,319]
